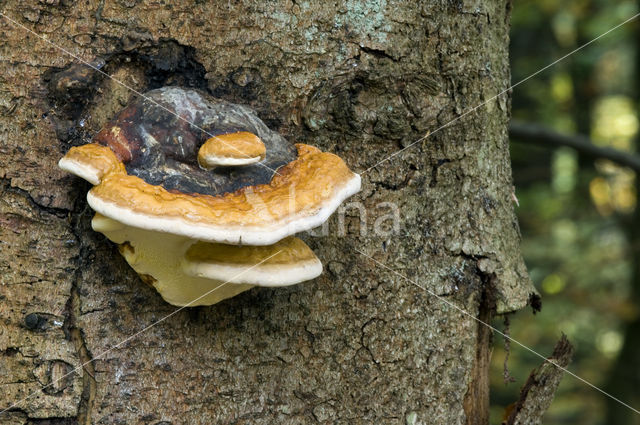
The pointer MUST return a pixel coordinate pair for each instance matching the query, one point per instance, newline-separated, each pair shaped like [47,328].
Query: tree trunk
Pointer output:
[357,345]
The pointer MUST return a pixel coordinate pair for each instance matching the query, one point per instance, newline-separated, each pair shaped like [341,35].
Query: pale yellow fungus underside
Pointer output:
[163,260]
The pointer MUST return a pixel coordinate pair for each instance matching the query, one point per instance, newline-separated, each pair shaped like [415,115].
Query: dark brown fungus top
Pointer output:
[160,144]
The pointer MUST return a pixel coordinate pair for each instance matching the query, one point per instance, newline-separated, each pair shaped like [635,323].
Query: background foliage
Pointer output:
[576,215]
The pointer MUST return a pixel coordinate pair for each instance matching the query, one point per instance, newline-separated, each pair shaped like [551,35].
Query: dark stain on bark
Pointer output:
[160,144]
[243,83]
[71,90]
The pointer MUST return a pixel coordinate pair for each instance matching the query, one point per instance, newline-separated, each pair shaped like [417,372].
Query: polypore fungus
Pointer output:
[201,234]
[241,148]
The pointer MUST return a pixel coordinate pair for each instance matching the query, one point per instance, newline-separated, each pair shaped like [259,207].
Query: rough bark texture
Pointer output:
[357,345]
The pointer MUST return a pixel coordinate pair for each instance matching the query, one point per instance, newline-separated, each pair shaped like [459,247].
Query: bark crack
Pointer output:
[476,401]
[6,185]
[379,53]
[75,333]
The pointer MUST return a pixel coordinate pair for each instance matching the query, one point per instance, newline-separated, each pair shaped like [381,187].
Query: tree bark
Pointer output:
[357,345]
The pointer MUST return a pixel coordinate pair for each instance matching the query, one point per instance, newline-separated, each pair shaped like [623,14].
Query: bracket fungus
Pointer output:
[241,148]
[187,186]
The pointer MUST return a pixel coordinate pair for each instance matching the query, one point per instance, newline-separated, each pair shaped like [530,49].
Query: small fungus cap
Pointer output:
[234,149]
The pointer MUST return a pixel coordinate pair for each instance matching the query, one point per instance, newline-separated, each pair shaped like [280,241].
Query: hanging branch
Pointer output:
[533,133]
[539,390]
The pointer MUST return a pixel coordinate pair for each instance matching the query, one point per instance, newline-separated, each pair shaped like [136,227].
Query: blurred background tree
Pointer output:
[578,215]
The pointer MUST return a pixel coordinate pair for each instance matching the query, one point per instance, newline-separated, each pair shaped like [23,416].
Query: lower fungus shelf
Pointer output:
[191,273]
